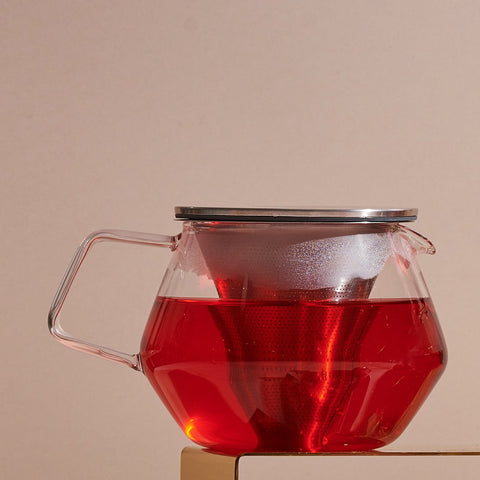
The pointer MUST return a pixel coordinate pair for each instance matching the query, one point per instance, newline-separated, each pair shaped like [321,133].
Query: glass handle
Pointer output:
[131,360]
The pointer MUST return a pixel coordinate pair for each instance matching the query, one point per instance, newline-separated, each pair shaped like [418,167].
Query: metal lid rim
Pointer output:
[296,214]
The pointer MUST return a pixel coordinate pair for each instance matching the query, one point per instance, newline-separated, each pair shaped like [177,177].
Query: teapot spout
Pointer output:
[418,242]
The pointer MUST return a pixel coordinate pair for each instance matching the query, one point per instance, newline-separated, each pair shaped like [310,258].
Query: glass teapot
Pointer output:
[285,330]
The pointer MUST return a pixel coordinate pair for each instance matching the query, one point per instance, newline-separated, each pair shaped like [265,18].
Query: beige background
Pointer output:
[114,112]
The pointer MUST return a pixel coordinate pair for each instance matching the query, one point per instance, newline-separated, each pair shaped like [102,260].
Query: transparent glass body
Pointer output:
[293,337]
[285,337]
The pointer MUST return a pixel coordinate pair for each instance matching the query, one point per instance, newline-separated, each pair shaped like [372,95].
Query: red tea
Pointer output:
[303,376]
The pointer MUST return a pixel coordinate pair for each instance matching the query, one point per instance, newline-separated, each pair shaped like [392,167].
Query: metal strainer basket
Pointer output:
[292,259]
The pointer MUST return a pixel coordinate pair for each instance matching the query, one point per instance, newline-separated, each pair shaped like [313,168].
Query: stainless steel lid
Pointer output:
[229,214]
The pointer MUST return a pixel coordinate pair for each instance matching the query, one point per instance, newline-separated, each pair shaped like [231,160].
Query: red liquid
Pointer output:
[307,376]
